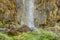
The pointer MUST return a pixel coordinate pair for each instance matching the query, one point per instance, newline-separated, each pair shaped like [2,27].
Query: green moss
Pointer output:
[5,37]
[44,35]
[1,24]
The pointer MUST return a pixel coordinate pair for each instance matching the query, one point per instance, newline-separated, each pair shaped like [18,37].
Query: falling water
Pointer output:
[29,11]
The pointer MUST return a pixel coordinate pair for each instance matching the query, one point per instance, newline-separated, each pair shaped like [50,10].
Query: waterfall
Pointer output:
[28,15]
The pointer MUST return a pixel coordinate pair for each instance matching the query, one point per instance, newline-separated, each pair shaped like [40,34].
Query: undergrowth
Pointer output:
[44,35]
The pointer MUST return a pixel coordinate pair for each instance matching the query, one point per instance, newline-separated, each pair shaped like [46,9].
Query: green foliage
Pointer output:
[1,24]
[44,35]
[5,37]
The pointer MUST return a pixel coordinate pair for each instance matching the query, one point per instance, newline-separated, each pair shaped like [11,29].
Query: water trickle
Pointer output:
[29,11]
[30,14]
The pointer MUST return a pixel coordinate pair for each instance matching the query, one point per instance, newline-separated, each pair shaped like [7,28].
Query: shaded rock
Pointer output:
[23,28]
[58,3]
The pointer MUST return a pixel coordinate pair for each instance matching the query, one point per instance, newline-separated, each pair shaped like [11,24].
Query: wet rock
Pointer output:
[48,8]
[23,28]
[1,38]
[4,30]
[58,3]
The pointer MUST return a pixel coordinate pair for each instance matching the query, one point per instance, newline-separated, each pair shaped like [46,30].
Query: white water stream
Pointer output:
[29,14]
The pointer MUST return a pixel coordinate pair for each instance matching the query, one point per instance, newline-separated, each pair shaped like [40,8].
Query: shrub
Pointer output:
[44,35]
[1,24]
[5,37]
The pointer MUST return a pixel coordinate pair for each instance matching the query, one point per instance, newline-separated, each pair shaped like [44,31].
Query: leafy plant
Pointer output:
[5,37]
[1,24]
[44,35]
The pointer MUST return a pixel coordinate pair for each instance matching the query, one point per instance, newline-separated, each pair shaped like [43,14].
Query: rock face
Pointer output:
[58,3]
[19,4]
[23,28]
[47,12]
[7,10]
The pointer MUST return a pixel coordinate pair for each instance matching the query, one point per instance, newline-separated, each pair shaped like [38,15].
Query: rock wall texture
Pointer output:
[46,12]
[7,11]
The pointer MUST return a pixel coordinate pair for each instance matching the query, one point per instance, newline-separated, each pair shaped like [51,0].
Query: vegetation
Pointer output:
[1,24]
[44,35]
[46,16]
[5,37]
